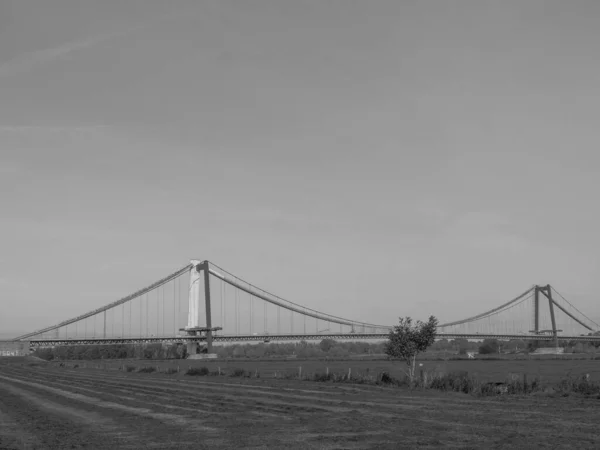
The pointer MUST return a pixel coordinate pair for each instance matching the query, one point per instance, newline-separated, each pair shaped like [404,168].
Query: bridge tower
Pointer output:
[547,292]
[198,272]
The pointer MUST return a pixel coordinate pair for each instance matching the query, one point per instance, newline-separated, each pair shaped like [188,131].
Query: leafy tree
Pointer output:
[462,346]
[222,351]
[515,345]
[406,341]
[338,352]
[239,351]
[327,344]
[255,351]
[442,344]
[489,346]
[533,346]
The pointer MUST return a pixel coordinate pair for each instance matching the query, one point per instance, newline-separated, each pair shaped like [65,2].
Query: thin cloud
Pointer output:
[31,60]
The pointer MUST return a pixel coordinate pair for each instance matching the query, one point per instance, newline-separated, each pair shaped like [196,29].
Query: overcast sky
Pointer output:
[371,159]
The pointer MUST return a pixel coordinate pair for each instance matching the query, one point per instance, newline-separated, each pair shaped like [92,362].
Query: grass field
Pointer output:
[47,407]
[547,370]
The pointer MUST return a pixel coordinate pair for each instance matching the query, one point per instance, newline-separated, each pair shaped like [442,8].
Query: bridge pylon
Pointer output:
[199,271]
[547,292]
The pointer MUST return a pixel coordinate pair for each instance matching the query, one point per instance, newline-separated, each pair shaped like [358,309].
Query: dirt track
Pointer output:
[57,408]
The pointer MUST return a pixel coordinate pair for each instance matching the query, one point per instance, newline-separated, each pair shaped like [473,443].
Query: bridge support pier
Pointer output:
[193,327]
[191,348]
[536,312]
[547,291]
[209,339]
[194,296]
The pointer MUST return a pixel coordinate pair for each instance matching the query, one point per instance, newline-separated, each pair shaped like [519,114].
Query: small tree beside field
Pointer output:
[407,340]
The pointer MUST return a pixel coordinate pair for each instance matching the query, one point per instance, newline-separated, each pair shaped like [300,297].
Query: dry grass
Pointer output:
[246,412]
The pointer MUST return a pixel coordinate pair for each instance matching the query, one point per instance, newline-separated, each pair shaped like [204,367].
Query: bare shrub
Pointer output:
[239,373]
[197,371]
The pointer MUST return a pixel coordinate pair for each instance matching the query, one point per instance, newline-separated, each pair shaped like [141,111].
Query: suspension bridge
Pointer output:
[203,303]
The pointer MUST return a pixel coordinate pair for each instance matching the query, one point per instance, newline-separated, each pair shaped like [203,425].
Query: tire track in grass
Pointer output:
[150,433]
[237,399]
[462,406]
[51,425]
[335,415]
[145,394]
[85,418]
[234,396]
[243,392]
[224,399]
[172,419]
[121,394]
[247,420]
[472,421]
[221,400]
[330,391]
[204,387]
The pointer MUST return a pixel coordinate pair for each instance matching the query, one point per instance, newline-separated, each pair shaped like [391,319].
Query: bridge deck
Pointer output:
[293,337]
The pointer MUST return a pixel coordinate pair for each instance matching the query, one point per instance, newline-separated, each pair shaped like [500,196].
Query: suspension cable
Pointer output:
[174,309]
[110,305]
[290,302]
[574,307]
[147,308]
[178,300]
[521,297]
[140,299]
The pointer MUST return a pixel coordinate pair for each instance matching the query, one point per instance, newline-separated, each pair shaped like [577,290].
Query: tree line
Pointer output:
[116,351]
[406,340]
[489,346]
[303,349]
[324,348]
